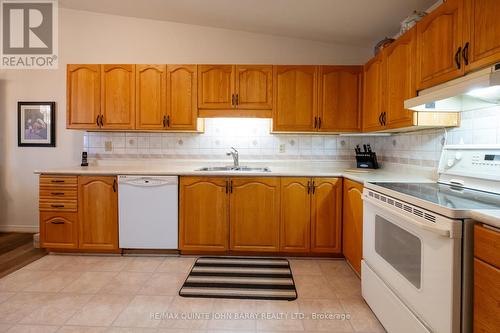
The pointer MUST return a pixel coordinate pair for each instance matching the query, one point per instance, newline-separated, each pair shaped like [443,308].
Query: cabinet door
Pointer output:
[83,94]
[326,214]
[118,96]
[352,223]
[58,230]
[254,216]
[295,98]
[340,98]
[254,87]
[482,35]
[98,212]
[215,87]
[150,85]
[486,297]
[182,97]
[373,94]
[203,215]
[399,72]
[439,42]
[295,230]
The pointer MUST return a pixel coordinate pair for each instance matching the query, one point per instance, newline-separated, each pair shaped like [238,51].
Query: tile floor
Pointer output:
[65,293]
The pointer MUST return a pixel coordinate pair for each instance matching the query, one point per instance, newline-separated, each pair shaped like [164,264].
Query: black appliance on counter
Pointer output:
[366,159]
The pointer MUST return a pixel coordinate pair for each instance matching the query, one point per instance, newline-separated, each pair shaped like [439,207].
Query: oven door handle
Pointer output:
[439,231]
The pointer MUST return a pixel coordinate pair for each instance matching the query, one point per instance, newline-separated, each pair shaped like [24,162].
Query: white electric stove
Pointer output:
[417,242]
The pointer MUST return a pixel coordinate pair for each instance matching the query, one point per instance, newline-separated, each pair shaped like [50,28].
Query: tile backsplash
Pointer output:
[253,139]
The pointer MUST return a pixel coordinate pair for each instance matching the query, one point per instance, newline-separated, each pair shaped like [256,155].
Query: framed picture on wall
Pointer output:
[36,124]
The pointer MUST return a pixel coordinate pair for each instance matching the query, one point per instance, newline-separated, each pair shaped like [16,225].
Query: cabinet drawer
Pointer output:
[486,297]
[58,205]
[58,181]
[487,245]
[56,193]
[59,230]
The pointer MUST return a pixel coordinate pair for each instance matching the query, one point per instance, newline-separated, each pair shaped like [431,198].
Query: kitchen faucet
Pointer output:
[234,154]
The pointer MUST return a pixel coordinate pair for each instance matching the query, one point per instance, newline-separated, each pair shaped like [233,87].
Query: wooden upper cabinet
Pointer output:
[98,212]
[182,108]
[295,98]
[340,98]
[83,94]
[352,223]
[399,75]
[326,207]
[439,45]
[203,214]
[295,231]
[373,94]
[118,96]
[254,214]
[254,87]
[151,110]
[215,87]
[482,33]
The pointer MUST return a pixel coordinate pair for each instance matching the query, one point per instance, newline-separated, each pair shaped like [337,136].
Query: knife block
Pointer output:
[366,160]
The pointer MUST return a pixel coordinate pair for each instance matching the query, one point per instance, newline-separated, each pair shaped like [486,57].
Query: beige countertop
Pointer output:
[490,217]
[278,169]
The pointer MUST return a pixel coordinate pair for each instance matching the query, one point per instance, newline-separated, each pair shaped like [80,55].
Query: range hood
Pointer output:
[473,91]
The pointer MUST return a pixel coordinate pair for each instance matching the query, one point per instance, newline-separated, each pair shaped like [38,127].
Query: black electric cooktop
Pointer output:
[447,196]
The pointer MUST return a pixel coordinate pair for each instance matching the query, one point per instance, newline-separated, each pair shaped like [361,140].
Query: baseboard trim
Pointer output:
[18,228]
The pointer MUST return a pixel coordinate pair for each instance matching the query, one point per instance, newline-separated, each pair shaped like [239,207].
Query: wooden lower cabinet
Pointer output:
[326,214]
[254,214]
[352,223]
[98,212]
[295,229]
[203,214]
[486,280]
[311,215]
[59,230]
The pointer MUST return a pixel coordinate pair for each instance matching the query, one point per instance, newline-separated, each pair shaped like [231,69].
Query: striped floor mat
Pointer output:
[242,278]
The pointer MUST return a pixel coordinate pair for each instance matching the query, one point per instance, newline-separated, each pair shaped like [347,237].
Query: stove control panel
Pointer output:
[475,165]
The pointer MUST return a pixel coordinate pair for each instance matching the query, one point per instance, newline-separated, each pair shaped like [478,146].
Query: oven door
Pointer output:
[418,260]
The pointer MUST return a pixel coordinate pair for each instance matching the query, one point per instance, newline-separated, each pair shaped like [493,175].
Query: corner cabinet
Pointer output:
[339,107]
[203,214]
[235,90]
[352,224]
[83,96]
[311,215]
[98,213]
[254,214]
[295,98]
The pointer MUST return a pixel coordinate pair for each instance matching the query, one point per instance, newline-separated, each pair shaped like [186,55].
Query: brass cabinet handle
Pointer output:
[57,181]
[457,57]
[164,121]
[114,184]
[102,120]
[319,122]
[227,186]
[313,187]
[232,99]
[308,187]
[57,193]
[315,122]
[231,186]
[237,101]
[57,222]
[97,120]
[465,53]
[168,121]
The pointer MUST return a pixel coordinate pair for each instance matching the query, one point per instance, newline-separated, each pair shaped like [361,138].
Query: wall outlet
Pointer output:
[108,146]
[282,148]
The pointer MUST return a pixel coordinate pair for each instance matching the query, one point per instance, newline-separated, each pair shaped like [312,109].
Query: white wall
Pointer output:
[98,38]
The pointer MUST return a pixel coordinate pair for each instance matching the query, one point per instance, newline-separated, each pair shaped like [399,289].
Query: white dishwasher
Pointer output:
[148,212]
